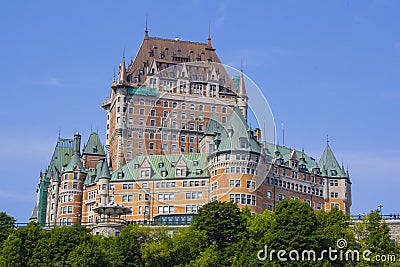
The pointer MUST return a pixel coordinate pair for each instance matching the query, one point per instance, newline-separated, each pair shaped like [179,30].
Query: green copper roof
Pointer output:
[330,165]
[213,125]
[163,167]
[285,153]
[94,146]
[236,81]
[142,91]
[105,171]
[241,137]
[74,163]
[61,156]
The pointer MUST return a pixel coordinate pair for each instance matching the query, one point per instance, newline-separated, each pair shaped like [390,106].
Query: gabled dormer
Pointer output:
[145,169]
[294,160]
[181,168]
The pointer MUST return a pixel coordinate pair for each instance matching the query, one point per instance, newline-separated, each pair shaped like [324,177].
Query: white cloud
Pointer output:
[50,81]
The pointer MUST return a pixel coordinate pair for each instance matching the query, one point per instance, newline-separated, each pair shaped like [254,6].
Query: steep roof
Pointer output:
[62,154]
[240,134]
[94,146]
[166,163]
[330,165]
[169,51]
[104,171]
[74,163]
[213,125]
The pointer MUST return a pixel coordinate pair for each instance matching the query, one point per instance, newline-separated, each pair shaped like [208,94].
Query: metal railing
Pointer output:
[391,216]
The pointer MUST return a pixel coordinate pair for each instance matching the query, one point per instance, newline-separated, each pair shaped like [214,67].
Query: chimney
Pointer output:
[77,143]
[257,134]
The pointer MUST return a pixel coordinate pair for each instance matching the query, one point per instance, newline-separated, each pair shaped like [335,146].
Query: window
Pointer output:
[234,183]
[152,123]
[75,185]
[130,110]
[214,186]
[191,139]
[166,114]
[140,145]
[281,196]
[152,112]
[191,106]
[251,184]
[183,138]
[141,121]
[141,111]
[183,116]
[269,194]
[165,104]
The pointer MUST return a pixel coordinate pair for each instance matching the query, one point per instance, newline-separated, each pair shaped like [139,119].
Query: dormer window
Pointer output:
[195,162]
[145,173]
[180,172]
[199,171]
[120,175]
[160,164]
[164,173]
[244,143]
[333,172]
[136,166]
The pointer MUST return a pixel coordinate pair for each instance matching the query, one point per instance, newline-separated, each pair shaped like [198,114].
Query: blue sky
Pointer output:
[324,66]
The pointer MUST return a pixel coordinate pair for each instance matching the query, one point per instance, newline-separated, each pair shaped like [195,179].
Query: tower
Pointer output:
[71,190]
[337,182]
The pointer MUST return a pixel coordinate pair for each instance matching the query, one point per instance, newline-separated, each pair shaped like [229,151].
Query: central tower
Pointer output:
[162,101]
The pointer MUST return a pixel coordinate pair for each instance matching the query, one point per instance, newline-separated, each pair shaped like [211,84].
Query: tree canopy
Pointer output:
[220,235]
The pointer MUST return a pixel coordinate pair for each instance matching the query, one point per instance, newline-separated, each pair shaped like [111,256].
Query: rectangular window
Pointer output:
[75,185]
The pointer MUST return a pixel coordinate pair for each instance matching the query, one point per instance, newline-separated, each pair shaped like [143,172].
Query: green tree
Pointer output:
[373,235]
[295,229]
[12,252]
[157,251]
[334,227]
[87,254]
[22,242]
[187,244]
[6,226]
[54,249]
[221,221]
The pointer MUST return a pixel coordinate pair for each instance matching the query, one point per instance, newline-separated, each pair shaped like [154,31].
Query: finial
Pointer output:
[241,66]
[209,30]
[59,132]
[209,35]
[114,75]
[327,139]
[146,32]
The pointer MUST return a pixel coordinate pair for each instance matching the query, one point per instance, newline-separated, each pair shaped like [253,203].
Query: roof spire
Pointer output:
[146,32]
[242,88]
[209,45]
[122,69]
[327,139]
